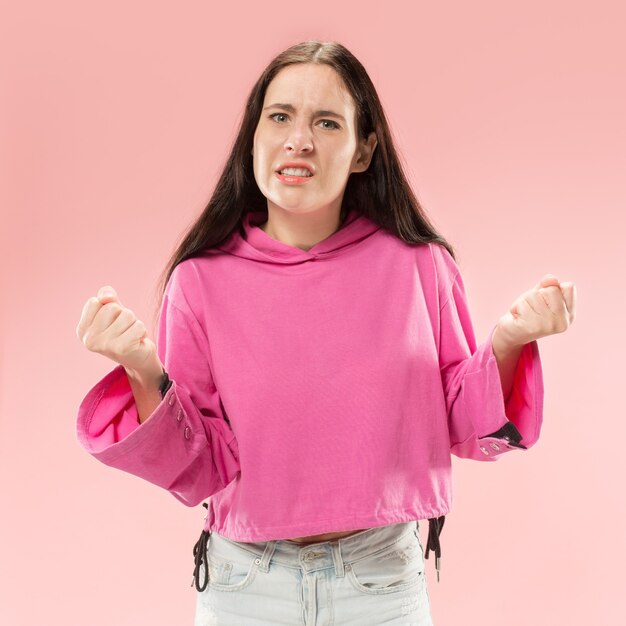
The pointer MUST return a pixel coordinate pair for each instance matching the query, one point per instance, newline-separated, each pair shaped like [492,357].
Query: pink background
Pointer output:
[115,122]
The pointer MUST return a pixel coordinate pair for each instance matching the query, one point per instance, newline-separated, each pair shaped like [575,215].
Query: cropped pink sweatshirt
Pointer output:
[316,391]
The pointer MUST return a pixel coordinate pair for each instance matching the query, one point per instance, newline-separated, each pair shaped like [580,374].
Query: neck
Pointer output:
[301,231]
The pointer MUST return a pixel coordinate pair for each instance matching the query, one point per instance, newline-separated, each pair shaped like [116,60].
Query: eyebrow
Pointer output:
[292,109]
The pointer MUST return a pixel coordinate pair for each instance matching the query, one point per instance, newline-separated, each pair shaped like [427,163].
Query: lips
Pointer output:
[298,164]
[290,179]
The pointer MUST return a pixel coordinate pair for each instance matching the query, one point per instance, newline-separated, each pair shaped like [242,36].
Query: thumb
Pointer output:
[547,281]
[569,295]
[107,293]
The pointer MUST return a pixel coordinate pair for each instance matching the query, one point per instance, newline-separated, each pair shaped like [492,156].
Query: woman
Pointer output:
[315,365]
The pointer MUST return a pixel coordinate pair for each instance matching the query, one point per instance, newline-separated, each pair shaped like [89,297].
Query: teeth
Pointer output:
[296,171]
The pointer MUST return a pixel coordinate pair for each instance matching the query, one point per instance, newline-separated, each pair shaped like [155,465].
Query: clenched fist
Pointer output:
[111,329]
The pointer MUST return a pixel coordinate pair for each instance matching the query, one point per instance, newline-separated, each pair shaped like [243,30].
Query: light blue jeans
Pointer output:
[374,577]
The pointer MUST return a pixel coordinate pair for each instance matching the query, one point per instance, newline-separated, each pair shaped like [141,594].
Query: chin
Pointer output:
[295,209]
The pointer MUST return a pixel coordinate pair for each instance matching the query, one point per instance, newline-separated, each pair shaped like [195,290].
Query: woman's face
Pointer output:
[308,116]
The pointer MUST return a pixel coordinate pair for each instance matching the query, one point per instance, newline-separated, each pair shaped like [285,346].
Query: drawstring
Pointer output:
[199,557]
[435,524]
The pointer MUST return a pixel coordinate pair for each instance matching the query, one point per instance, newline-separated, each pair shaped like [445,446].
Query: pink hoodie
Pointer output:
[316,391]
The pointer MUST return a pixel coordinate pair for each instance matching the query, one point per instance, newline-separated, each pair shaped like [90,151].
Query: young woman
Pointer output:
[315,365]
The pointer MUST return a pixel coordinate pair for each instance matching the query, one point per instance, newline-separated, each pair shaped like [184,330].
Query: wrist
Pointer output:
[504,349]
[502,341]
[149,377]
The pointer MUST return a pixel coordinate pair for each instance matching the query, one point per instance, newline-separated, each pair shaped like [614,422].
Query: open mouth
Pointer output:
[295,171]
[294,175]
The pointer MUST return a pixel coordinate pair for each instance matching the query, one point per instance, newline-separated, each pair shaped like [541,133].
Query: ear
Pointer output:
[365,153]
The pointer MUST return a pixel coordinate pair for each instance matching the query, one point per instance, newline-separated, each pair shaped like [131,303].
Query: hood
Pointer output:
[250,242]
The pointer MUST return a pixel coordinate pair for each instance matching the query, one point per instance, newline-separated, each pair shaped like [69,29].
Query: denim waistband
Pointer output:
[323,553]
[319,555]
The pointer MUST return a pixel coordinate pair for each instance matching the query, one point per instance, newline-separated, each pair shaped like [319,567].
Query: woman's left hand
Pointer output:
[548,308]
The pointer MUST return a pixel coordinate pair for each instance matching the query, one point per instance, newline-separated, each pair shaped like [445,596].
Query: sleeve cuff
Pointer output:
[516,421]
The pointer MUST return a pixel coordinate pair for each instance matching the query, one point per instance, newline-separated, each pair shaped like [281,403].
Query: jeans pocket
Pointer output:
[396,568]
[231,570]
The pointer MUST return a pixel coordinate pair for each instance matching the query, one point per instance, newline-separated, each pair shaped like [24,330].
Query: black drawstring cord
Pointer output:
[435,525]
[199,557]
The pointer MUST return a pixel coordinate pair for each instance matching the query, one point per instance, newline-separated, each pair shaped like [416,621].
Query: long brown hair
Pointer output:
[381,193]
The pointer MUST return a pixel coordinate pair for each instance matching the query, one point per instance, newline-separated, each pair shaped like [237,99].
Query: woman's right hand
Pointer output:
[111,329]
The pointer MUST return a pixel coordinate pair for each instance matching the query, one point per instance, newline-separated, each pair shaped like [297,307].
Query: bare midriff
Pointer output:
[326,537]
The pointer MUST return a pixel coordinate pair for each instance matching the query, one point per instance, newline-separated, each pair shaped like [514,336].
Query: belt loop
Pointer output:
[268,552]
[338,559]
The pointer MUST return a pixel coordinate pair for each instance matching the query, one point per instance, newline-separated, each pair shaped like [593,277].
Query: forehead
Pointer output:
[309,85]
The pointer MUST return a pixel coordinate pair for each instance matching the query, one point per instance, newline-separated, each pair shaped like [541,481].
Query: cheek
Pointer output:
[260,154]
[342,160]
[262,167]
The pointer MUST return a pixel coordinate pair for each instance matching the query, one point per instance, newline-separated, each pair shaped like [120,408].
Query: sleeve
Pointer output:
[185,445]
[481,423]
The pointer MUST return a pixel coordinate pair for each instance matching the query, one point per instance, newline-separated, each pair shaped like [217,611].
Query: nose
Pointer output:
[298,146]
[298,141]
